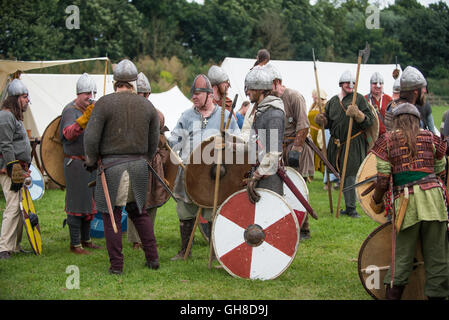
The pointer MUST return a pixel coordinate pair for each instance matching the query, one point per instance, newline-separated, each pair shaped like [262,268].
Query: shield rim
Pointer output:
[292,213]
[59,183]
[360,256]
[36,243]
[43,189]
[379,218]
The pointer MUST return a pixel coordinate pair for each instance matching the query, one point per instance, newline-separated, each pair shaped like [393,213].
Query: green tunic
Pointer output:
[338,125]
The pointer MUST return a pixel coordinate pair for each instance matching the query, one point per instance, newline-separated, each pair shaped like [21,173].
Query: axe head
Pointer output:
[365,53]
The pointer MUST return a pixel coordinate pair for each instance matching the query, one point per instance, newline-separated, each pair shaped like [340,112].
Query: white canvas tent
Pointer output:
[50,93]
[8,67]
[299,75]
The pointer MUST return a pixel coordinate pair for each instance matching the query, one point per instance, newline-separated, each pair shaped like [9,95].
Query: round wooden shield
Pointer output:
[368,169]
[372,133]
[52,153]
[255,241]
[291,199]
[33,232]
[375,259]
[201,170]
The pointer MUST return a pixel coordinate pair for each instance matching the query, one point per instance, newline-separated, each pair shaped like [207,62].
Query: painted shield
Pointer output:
[255,241]
[367,170]
[291,199]
[29,218]
[36,184]
[52,153]
[372,133]
[201,169]
[375,259]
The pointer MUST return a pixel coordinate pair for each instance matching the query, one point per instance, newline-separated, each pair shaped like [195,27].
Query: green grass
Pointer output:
[324,268]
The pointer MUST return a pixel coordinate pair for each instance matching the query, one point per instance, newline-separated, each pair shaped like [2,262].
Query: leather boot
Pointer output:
[90,244]
[394,293]
[185,228]
[78,250]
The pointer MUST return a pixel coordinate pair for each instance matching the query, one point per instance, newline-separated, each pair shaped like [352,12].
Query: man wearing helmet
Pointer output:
[79,198]
[267,131]
[121,136]
[415,159]
[296,153]
[194,126]
[413,90]
[378,99]
[156,194]
[336,118]
[14,160]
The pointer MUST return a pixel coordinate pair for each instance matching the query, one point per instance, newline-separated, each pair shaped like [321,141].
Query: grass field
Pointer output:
[325,267]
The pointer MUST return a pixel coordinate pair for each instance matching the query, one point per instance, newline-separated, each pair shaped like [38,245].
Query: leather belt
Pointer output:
[431,178]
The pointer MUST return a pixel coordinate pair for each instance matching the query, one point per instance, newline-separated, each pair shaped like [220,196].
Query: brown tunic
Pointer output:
[296,120]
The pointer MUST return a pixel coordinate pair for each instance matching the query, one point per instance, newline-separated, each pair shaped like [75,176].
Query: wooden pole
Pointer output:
[192,235]
[105,72]
[348,139]
[219,151]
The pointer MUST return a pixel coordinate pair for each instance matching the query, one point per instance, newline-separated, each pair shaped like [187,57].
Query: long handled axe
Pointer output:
[318,92]
[365,55]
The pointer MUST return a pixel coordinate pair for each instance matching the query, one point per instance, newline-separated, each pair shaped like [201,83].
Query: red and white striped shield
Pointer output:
[255,241]
[291,199]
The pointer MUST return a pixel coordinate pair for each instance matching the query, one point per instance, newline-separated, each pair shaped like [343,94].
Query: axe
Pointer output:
[365,55]
[324,156]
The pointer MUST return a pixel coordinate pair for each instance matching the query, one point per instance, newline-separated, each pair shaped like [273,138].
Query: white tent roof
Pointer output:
[8,67]
[299,75]
[50,93]
[172,104]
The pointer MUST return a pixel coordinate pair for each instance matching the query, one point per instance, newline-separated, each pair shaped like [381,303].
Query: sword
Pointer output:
[106,194]
[282,174]
[358,184]
[322,157]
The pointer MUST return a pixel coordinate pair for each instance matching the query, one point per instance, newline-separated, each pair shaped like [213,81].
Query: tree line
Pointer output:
[172,40]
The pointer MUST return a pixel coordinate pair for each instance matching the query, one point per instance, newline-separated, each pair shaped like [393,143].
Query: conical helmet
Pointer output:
[143,84]
[17,88]
[259,78]
[347,77]
[412,79]
[85,83]
[377,79]
[217,75]
[125,71]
